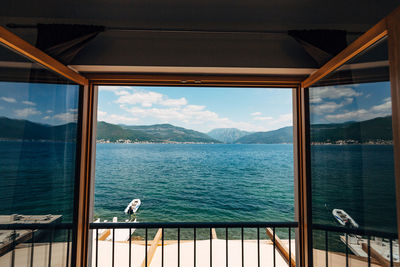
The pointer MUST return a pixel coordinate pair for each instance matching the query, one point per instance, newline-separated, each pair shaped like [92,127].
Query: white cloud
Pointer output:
[146,99]
[147,107]
[71,115]
[332,92]
[188,113]
[360,114]
[174,102]
[123,92]
[114,118]
[327,107]
[315,100]
[191,114]
[194,108]
[29,103]
[376,111]
[385,107]
[165,114]
[101,114]
[259,118]
[288,117]
[26,112]
[198,117]
[329,99]
[114,88]
[66,117]
[8,99]
[348,100]
[282,121]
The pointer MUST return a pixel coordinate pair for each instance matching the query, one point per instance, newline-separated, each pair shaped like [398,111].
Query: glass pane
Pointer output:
[38,144]
[352,166]
[195,155]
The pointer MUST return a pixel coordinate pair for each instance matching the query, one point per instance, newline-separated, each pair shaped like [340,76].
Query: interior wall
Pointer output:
[273,50]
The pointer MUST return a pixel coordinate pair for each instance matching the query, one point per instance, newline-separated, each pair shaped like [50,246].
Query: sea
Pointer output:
[196,182]
[202,182]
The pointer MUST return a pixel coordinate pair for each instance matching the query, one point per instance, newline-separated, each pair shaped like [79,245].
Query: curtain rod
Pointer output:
[171,30]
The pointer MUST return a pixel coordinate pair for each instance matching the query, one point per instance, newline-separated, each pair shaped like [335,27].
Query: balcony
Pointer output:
[346,136]
[195,244]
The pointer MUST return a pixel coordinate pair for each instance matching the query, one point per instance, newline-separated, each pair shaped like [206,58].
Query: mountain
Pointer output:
[14,129]
[374,130]
[153,133]
[282,135]
[112,132]
[362,132]
[227,135]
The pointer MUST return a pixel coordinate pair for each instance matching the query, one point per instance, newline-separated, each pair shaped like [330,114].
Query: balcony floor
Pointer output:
[187,253]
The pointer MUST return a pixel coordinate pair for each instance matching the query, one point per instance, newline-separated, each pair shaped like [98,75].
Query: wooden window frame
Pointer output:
[387,27]
[81,229]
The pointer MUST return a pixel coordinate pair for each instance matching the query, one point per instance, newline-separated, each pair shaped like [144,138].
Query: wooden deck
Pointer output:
[9,238]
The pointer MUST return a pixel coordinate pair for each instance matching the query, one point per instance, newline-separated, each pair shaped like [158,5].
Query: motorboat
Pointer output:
[134,204]
[343,218]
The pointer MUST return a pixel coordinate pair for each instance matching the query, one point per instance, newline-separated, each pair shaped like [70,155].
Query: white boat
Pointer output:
[135,204]
[343,218]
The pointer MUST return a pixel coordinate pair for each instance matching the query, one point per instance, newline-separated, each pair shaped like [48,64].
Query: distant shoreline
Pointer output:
[37,140]
[350,142]
[353,142]
[149,142]
[338,143]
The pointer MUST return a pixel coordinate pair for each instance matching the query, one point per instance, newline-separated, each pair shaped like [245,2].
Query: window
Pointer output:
[193,155]
[38,144]
[352,165]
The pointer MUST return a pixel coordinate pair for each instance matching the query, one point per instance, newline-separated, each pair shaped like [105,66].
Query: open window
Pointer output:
[214,161]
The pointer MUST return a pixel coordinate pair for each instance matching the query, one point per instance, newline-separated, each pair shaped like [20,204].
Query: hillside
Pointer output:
[362,132]
[14,129]
[155,133]
[282,135]
[227,135]
[112,133]
[374,130]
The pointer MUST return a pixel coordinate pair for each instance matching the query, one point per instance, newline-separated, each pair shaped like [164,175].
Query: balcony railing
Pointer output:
[232,247]
[35,239]
[271,227]
[359,241]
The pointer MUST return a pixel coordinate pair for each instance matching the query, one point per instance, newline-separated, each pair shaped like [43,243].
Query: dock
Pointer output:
[116,235]
[10,238]
[379,248]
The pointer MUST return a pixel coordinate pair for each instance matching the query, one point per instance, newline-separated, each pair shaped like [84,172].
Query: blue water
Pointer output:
[199,182]
[37,178]
[357,178]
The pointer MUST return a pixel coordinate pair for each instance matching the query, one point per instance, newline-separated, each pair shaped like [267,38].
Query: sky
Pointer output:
[343,103]
[198,108]
[52,104]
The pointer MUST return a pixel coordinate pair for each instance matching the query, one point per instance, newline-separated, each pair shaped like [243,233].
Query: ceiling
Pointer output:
[218,33]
